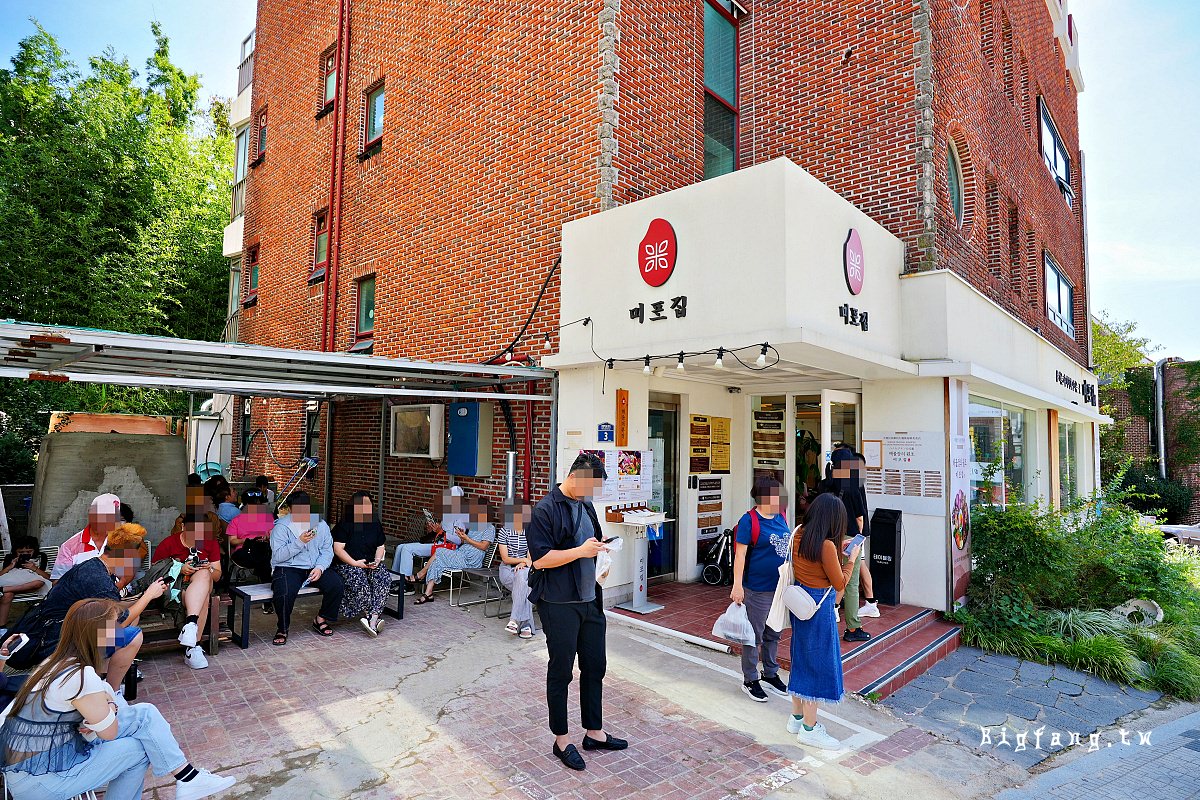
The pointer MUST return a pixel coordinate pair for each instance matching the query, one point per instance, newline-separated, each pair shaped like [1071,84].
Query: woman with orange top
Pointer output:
[816,673]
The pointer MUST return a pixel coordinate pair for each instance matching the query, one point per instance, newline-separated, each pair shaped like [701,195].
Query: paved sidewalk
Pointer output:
[988,701]
[1168,768]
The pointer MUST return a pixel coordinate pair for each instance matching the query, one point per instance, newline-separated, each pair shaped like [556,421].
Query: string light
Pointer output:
[547,346]
[610,363]
[761,361]
[680,366]
[720,363]
[646,369]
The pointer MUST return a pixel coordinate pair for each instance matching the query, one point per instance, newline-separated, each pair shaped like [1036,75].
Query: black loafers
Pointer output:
[610,743]
[570,757]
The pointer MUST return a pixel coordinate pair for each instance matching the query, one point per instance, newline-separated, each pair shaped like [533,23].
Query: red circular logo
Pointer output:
[854,261]
[656,253]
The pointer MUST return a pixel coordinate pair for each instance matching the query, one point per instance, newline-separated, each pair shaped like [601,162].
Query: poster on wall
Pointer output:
[960,493]
[710,506]
[630,474]
[769,440]
[911,470]
[708,444]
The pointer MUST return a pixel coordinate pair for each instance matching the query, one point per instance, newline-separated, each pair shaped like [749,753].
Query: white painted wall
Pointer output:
[231,240]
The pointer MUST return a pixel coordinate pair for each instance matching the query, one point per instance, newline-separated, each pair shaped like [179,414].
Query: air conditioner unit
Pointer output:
[418,431]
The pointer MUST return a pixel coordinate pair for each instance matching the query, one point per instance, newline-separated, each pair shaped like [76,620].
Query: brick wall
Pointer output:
[499,127]
[1137,429]
[1179,406]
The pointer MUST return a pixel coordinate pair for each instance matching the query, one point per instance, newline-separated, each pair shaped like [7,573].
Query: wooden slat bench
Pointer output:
[51,553]
[248,596]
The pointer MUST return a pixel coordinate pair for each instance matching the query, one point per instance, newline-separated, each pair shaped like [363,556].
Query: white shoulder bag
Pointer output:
[789,596]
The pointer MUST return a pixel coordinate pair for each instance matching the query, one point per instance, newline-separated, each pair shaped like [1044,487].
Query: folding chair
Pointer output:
[489,574]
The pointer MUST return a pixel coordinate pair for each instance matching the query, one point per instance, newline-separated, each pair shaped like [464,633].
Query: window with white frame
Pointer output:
[1055,154]
[1060,297]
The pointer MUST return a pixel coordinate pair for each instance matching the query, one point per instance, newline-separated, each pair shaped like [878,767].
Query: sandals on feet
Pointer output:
[526,632]
[512,628]
[280,639]
[423,599]
[322,628]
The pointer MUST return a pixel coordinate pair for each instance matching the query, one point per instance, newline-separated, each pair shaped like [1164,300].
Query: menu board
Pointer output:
[630,474]
[710,504]
[708,444]
[769,440]
[909,470]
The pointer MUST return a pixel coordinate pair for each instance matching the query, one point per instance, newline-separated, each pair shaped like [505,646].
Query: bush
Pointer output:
[1150,494]
[17,464]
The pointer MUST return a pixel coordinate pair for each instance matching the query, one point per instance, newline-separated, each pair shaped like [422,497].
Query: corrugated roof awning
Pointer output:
[50,352]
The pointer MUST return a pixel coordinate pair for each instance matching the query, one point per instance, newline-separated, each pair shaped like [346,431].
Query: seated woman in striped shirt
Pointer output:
[514,569]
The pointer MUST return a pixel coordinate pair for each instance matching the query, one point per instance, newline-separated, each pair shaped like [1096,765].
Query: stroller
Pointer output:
[718,561]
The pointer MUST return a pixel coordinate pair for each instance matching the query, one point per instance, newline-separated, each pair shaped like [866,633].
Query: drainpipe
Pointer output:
[337,169]
[1159,404]
[528,493]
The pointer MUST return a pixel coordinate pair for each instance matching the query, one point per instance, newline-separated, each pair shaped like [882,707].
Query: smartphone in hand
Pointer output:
[853,543]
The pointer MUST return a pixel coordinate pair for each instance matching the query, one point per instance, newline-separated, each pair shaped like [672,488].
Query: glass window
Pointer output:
[955,180]
[808,444]
[1068,465]
[1060,300]
[262,134]
[253,269]
[375,115]
[366,307]
[1054,153]
[720,128]
[312,428]
[322,248]
[245,426]
[243,151]
[330,78]
[999,440]
[720,91]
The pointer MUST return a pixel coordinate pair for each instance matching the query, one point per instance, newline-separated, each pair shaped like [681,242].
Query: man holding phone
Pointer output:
[301,552]
[564,539]
[847,472]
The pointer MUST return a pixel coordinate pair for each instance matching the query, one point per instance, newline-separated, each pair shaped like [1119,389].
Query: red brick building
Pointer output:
[424,159]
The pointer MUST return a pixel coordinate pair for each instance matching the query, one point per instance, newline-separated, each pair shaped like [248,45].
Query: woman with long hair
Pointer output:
[816,673]
[67,732]
[358,543]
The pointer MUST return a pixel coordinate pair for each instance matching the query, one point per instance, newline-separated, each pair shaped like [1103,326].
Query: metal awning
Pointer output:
[49,352]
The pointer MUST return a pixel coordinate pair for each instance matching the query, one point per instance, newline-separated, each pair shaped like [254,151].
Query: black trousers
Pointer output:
[574,629]
[285,584]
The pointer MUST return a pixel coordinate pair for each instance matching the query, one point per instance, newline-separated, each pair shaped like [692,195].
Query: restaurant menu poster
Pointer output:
[630,474]
[708,444]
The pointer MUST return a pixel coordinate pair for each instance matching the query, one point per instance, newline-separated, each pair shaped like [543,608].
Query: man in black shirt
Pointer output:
[564,539]
[847,472]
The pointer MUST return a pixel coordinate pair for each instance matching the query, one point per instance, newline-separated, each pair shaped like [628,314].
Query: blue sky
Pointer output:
[1139,118]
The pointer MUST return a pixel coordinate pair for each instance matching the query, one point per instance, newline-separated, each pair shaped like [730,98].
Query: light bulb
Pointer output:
[761,361]
[680,366]
[720,363]
[646,369]
[547,346]
[508,355]
[610,363]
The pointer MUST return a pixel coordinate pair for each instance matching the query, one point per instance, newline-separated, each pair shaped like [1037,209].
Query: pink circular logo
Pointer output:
[656,253]
[854,262]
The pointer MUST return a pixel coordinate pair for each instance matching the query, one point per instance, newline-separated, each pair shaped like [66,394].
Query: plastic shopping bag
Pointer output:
[734,625]
[604,560]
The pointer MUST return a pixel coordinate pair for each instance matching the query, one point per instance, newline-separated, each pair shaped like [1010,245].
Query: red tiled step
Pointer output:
[886,668]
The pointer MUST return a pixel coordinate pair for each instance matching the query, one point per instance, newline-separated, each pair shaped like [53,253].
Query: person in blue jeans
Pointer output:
[755,575]
[67,732]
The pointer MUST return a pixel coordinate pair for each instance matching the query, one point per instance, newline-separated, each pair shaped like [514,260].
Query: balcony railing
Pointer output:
[246,72]
[238,203]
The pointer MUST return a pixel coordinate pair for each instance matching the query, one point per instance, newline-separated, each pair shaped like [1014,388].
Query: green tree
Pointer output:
[114,191]
[1118,355]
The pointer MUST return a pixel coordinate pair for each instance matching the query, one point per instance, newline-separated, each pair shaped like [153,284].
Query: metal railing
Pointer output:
[237,205]
[246,72]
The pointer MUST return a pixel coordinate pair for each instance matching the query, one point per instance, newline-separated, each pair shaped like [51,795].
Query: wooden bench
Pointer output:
[160,629]
[248,596]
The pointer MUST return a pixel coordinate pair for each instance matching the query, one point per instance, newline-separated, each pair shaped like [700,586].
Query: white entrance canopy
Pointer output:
[82,355]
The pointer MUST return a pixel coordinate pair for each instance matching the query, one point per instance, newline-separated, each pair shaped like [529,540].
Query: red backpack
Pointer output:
[754,529]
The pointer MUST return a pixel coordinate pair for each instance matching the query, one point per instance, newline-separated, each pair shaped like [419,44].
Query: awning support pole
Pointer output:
[383,440]
[553,433]
[328,457]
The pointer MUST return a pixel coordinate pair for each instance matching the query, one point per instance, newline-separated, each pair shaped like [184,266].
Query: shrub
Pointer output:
[1075,623]
[1151,494]
[17,464]
[1108,657]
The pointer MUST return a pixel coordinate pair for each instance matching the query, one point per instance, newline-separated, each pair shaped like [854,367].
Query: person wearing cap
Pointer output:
[564,539]
[104,514]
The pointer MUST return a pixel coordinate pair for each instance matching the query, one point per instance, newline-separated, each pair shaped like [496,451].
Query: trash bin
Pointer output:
[886,524]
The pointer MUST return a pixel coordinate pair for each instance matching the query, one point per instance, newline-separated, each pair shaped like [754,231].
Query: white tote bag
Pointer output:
[791,597]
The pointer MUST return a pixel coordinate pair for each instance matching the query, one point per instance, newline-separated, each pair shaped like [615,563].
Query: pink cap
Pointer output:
[106,502]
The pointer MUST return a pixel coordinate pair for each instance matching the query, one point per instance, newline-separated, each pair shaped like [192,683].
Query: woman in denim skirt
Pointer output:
[816,673]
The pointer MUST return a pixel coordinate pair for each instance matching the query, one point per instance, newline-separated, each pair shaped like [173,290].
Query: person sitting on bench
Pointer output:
[191,561]
[429,536]
[476,537]
[301,552]
[104,514]
[24,572]
[103,578]
[250,535]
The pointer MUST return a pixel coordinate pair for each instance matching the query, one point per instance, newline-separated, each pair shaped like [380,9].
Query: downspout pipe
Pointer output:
[1160,424]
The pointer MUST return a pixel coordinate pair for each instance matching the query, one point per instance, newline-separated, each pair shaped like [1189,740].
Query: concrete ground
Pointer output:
[446,704]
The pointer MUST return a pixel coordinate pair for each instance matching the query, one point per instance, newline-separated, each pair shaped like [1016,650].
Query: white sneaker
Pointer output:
[203,785]
[794,725]
[869,610]
[366,623]
[194,658]
[189,634]
[379,625]
[818,737]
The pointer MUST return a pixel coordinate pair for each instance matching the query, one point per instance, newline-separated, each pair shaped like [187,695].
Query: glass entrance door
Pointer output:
[663,426]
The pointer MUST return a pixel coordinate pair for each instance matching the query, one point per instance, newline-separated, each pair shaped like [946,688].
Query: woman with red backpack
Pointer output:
[761,546]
